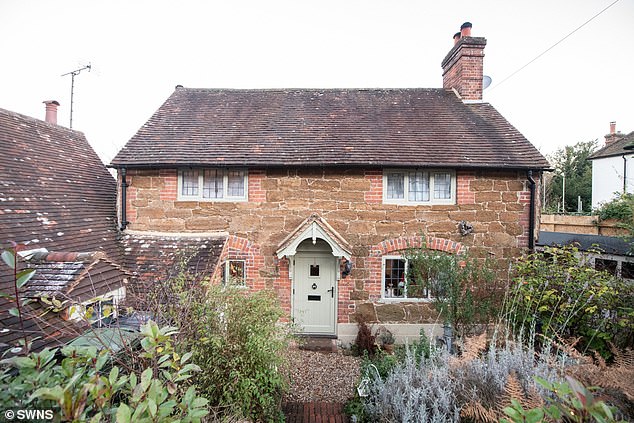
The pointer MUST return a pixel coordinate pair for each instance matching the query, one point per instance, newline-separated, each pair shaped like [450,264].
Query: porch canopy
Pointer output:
[314,228]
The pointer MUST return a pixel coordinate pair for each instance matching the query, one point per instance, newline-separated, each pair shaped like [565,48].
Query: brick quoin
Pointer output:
[464,194]
[256,193]
[375,194]
[170,184]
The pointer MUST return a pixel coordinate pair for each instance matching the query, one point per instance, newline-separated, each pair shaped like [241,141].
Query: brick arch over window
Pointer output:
[429,242]
[237,248]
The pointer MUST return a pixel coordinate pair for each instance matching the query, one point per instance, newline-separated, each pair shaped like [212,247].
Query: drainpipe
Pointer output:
[531,212]
[124,186]
[624,174]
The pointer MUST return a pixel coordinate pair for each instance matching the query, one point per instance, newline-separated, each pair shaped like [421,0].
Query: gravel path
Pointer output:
[318,376]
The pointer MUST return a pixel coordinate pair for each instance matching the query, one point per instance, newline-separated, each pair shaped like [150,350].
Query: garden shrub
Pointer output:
[84,385]
[446,388]
[236,339]
[466,291]
[239,346]
[559,294]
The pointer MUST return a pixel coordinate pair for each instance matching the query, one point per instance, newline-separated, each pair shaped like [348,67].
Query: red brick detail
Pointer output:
[375,194]
[256,193]
[464,194]
[169,179]
[237,248]
[282,286]
[429,242]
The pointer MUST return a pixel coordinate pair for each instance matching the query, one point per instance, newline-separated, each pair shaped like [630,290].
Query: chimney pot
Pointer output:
[51,111]
[465,29]
[456,38]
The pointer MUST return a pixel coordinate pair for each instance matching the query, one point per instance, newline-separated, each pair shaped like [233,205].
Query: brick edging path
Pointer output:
[314,412]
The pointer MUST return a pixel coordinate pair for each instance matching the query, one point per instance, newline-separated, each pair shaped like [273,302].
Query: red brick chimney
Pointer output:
[51,111]
[613,135]
[463,66]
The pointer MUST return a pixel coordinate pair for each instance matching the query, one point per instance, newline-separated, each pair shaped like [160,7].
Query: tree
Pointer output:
[572,163]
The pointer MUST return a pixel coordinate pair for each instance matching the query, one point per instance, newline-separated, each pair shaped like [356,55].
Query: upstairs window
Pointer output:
[419,187]
[212,184]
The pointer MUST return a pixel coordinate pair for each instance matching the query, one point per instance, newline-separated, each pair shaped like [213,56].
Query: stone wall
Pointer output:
[495,203]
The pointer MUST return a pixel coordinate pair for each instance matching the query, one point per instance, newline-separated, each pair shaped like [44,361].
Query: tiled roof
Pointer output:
[158,257]
[69,277]
[309,127]
[76,276]
[617,148]
[54,190]
[55,193]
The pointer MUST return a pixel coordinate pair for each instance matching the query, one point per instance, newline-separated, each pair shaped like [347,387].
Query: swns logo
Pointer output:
[28,415]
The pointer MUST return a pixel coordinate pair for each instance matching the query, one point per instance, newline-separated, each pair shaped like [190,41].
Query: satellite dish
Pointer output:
[486,81]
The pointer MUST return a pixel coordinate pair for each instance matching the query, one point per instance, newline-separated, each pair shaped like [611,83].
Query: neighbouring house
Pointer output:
[613,167]
[58,201]
[315,194]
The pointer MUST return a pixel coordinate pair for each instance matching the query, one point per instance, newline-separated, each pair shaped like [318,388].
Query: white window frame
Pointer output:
[225,275]
[384,288]
[405,200]
[225,185]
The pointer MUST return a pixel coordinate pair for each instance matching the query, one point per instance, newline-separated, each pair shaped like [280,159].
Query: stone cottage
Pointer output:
[316,193]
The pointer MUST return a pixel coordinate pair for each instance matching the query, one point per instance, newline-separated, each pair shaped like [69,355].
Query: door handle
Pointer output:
[332,292]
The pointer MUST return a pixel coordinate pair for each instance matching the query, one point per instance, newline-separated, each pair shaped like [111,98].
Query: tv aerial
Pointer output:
[73,74]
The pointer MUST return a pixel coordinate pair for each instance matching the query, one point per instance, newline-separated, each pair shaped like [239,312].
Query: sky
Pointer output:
[140,50]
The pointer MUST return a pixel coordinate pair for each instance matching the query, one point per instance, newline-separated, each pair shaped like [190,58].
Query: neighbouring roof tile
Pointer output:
[617,148]
[158,257]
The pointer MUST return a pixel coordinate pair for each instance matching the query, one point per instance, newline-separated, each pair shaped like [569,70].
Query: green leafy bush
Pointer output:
[559,294]
[465,290]
[236,339]
[570,402]
[85,385]
[239,345]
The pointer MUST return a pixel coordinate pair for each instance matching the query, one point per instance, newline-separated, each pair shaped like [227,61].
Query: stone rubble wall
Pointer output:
[350,200]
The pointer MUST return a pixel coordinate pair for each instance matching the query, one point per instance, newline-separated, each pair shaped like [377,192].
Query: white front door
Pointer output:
[315,293]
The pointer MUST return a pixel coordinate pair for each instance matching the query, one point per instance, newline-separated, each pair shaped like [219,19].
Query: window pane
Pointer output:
[418,186]
[235,183]
[606,264]
[627,270]
[442,186]
[234,274]
[394,278]
[190,183]
[314,270]
[212,183]
[395,185]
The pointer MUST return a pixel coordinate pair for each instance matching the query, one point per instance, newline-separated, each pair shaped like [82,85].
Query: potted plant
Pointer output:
[385,338]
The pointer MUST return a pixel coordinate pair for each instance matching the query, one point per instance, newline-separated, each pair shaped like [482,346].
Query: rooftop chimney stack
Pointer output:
[613,135]
[463,65]
[51,111]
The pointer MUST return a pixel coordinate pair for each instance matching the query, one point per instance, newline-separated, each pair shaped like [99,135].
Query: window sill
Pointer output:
[404,300]
[451,202]
[214,200]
